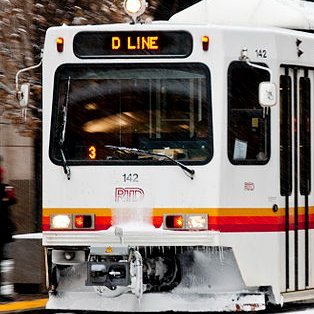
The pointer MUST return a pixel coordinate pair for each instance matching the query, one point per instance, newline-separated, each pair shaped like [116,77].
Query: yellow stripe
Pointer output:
[220,211]
[23,305]
[161,211]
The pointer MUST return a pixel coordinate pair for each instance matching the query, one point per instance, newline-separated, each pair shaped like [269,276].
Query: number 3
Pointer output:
[92,152]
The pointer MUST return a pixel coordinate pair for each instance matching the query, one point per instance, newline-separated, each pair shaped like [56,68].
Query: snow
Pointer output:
[308,311]
[28,236]
[151,302]
[293,14]
[193,294]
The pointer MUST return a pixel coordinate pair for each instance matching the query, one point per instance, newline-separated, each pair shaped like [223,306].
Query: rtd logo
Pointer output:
[129,194]
[249,186]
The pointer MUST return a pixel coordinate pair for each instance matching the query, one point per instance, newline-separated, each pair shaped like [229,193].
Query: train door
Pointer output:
[296,95]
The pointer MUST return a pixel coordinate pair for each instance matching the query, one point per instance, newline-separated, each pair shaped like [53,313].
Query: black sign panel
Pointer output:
[132,44]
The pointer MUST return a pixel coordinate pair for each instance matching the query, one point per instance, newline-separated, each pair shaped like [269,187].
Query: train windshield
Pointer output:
[158,108]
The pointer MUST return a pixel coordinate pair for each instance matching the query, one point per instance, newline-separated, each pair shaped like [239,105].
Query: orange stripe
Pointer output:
[23,305]
[161,211]
[220,211]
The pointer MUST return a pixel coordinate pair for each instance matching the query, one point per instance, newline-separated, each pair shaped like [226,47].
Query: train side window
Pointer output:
[248,127]
[285,135]
[305,135]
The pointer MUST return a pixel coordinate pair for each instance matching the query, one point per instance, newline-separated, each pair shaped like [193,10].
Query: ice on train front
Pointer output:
[128,182]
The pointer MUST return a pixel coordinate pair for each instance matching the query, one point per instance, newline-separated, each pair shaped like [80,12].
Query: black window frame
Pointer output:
[305,135]
[255,114]
[55,127]
[286,122]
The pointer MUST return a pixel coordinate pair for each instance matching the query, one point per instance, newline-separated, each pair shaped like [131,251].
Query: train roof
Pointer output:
[292,14]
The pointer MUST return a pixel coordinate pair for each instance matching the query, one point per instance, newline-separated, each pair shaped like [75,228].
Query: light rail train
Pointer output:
[177,159]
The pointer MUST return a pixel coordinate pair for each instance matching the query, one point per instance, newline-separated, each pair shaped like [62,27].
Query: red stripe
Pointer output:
[157,221]
[255,223]
[246,223]
[301,221]
[45,223]
[102,222]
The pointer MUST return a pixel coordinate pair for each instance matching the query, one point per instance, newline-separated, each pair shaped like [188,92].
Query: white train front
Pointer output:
[177,160]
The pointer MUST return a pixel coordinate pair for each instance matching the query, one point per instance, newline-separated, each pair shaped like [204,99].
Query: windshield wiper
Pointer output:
[66,168]
[190,172]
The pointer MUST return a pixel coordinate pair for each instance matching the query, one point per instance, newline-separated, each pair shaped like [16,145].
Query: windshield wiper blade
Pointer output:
[137,151]
[66,168]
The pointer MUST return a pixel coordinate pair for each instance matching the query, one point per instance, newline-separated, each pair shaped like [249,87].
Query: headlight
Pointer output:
[185,222]
[135,8]
[196,222]
[61,222]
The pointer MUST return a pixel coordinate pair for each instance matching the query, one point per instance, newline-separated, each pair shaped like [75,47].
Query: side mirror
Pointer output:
[267,94]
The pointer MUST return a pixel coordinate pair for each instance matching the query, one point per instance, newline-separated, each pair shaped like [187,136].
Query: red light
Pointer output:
[60,44]
[178,222]
[83,221]
[9,192]
[175,222]
[205,42]
[79,221]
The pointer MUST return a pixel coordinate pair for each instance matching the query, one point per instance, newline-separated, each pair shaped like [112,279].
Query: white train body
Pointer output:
[229,228]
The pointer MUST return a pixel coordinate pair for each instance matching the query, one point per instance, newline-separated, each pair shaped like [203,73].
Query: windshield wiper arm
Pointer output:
[137,151]
[66,168]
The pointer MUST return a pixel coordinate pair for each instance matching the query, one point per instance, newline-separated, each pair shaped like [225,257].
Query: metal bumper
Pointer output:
[121,235]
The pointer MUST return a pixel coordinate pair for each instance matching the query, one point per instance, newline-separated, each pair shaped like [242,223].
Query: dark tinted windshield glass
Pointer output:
[161,108]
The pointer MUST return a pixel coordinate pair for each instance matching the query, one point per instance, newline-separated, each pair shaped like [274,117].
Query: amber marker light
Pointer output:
[60,44]
[205,42]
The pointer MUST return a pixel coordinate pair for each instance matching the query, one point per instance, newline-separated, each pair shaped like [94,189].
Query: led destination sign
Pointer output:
[135,43]
[132,44]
